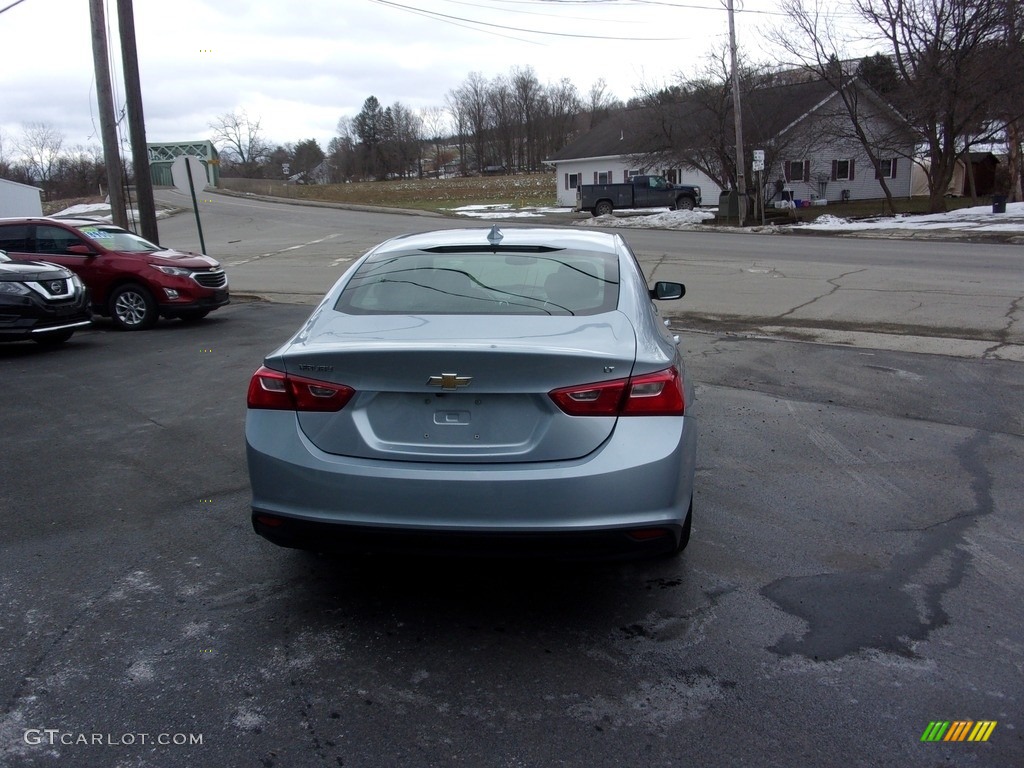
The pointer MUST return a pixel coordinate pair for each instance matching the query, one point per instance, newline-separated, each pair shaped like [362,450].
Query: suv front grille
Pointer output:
[58,288]
[215,278]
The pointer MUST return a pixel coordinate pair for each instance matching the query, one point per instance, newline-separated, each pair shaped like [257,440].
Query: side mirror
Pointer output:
[666,291]
[81,250]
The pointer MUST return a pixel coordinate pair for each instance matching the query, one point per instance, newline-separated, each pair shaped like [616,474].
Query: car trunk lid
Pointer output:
[459,389]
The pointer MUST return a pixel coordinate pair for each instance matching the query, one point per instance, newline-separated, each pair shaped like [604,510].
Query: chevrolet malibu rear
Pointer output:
[479,392]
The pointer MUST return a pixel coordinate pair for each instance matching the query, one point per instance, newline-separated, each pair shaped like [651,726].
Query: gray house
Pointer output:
[811,153]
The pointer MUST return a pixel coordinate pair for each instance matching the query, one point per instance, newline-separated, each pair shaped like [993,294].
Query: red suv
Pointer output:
[131,280]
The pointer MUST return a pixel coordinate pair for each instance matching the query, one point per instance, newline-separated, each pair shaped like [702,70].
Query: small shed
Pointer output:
[162,156]
[18,199]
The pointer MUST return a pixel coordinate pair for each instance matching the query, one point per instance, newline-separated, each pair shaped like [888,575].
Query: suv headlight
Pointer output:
[14,289]
[176,271]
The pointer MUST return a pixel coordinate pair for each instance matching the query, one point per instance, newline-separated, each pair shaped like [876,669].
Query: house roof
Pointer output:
[767,112]
[19,184]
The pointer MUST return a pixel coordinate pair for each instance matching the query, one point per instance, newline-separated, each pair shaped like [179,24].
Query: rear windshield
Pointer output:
[503,283]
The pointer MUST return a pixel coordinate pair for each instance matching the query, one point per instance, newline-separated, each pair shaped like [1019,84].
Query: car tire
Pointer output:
[54,337]
[684,204]
[132,308]
[603,208]
[192,315]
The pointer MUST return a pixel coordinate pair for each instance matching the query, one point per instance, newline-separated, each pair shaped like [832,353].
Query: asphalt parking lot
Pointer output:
[855,573]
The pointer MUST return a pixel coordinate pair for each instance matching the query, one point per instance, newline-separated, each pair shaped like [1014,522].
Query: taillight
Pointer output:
[653,394]
[269,389]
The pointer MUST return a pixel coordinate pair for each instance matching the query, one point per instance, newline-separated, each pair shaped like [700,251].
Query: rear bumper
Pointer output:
[610,544]
[640,479]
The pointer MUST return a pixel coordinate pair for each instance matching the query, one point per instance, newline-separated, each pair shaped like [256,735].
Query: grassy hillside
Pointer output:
[521,191]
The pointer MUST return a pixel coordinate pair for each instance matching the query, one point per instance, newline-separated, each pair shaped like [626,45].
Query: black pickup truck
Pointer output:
[640,192]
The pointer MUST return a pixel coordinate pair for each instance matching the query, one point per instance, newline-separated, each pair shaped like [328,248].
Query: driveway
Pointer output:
[854,575]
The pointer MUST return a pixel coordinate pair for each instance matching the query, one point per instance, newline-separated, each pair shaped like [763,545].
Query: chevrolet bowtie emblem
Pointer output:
[449,381]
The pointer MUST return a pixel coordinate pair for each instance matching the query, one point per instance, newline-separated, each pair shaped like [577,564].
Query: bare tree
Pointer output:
[507,125]
[342,154]
[475,103]
[959,74]
[560,109]
[405,139]
[690,124]
[600,103]
[5,158]
[812,35]
[435,129]
[528,94]
[40,146]
[242,140]
[458,108]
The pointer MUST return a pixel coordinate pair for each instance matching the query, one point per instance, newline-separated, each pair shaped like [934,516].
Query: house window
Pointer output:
[886,168]
[603,177]
[842,170]
[572,180]
[628,175]
[798,170]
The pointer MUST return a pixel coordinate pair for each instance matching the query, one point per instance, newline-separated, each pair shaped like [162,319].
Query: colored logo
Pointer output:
[958,730]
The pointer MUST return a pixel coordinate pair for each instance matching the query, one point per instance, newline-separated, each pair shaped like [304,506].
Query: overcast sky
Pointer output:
[300,66]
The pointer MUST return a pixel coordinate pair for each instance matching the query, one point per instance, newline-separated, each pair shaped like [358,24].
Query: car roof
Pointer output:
[569,239]
[74,221]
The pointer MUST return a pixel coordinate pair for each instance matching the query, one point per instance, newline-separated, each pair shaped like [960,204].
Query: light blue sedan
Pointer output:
[479,392]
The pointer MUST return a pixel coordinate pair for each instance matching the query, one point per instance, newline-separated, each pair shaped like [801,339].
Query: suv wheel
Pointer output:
[132,308]
[684,204]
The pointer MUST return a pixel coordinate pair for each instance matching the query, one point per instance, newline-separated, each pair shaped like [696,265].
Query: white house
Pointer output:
[20,199]
[801,126]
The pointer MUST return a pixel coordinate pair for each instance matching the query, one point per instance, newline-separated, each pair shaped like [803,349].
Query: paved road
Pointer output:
[951,298]
[855,573]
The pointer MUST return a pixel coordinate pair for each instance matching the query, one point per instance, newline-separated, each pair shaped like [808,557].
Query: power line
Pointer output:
[16,2]
[462,21]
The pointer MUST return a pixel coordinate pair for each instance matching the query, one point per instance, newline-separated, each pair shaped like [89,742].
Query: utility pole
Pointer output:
[105,97]
[741,181]
[136,121]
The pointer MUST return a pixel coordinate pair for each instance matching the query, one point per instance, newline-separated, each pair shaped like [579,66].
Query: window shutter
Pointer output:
[851,169]
[785,167]
[835,170]
[892,173]
[878,169]
[567,181]
[625,175]
[595,177]
[807,170]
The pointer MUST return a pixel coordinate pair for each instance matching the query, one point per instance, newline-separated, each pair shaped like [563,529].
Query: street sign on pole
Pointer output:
[758,163]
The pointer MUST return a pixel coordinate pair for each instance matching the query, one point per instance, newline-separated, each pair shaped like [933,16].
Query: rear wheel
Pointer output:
[603,208]
[54,337]
[684,204]
[132,308]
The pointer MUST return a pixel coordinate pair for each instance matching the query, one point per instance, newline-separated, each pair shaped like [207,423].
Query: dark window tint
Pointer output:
[55,240]
[14,238]
[562,283]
